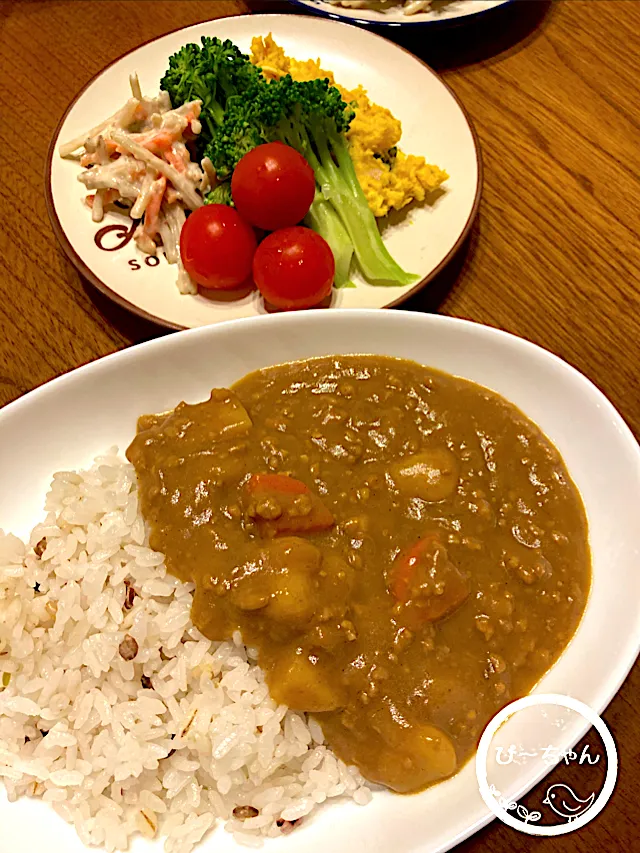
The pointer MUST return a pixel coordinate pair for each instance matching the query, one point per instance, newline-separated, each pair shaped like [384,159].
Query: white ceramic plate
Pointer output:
[70,420]
[391,14]
[434,124]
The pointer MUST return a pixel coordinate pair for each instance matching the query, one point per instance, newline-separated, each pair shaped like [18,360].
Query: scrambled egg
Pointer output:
[389,177]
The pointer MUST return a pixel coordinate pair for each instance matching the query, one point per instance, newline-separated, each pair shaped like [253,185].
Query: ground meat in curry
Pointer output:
[405,549]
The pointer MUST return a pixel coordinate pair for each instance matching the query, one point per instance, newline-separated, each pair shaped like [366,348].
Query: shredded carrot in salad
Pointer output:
[139,161]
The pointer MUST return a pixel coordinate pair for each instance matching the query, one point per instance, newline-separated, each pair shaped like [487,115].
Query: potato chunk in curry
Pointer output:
[431,475]
[405,549]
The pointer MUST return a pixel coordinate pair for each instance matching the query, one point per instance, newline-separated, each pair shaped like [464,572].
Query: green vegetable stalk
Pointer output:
[323,219]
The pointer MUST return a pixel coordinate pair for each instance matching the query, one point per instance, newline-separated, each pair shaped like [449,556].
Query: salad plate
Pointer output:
[421,237]
[398,13]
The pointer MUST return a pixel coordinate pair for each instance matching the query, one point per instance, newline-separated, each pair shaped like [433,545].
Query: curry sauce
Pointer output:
[404,548]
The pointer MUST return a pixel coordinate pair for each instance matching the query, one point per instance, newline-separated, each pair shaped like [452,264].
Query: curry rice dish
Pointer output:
[405,549]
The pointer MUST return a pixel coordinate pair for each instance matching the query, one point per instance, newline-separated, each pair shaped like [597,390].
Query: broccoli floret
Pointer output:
[239,133]
[215,73]
[221,194]
[312,117]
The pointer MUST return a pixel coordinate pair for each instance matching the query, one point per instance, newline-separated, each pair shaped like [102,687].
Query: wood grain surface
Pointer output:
[553,90]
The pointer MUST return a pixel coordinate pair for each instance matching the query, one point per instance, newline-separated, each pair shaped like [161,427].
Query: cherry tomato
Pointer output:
[217,247]
[273,186]
[294,268]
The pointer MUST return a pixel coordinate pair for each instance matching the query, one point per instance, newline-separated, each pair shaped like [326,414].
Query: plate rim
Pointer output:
[103,288]
[338,17]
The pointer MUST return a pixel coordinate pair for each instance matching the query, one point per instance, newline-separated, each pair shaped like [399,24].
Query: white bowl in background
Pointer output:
[393,15]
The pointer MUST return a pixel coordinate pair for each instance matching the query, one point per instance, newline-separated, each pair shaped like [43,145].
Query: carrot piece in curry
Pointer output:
[281,504]
[425,581]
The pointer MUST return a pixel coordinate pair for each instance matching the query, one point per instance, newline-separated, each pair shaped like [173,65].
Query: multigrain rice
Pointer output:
[164,742]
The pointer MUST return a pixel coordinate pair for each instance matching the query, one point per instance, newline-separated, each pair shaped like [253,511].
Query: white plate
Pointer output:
[443,11]
[68,421]
[434,124]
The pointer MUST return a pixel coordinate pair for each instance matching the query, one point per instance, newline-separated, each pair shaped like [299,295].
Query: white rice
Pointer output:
[118,759]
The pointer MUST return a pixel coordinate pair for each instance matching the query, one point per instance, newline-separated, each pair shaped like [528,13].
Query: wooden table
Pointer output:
[554,256]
